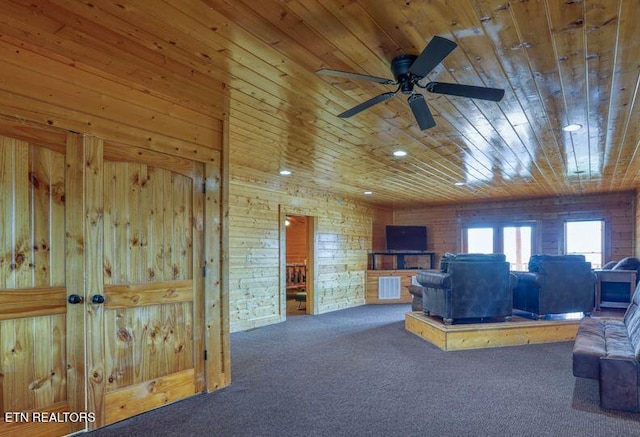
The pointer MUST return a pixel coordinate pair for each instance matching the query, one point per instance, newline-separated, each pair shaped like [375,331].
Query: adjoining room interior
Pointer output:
[297,256]
[465,173]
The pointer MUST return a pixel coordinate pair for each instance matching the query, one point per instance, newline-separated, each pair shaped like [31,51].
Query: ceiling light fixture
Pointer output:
[285,172]
[458,184]
[368,193]
[399,153]
[572,127]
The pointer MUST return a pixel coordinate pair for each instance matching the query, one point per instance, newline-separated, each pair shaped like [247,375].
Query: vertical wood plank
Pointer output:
[94,234]
[43,362]
[167,228]
[312,257]
[216,283]
[282,260]
[109,220]
[156,234]
[57,343]
[134,183]
[145,207]
[74,218]
[40,182]
[179,239]
[197,267]
[23,251]
[58,200]
[6,210]
[122,253]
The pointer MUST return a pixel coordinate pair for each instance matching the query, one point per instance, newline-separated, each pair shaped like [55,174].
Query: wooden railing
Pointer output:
[296,276]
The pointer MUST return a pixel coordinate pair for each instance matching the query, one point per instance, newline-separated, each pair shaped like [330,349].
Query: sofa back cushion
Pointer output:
[536,260]
[632,322]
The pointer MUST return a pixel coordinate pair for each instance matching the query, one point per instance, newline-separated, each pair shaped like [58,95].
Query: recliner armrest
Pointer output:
[435,280]
[527,278]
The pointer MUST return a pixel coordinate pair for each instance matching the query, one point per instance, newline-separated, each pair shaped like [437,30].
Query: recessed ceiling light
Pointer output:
[459,184]
[368,193]
[399,153]
[285,172]
[572,127]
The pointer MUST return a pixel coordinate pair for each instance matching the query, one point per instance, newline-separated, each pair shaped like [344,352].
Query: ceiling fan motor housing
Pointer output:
[400,68]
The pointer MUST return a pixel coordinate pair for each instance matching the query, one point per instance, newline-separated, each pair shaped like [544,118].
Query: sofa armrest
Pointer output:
[434,280]
[619,383]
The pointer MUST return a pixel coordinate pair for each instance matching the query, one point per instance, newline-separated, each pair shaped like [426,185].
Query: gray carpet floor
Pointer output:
[358,372]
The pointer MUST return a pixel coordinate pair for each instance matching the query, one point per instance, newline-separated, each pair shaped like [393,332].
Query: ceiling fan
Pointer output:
[408,70]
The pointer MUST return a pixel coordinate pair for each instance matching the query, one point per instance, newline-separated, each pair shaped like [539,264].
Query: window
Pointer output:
[513,239]
[585,238]
[480,240]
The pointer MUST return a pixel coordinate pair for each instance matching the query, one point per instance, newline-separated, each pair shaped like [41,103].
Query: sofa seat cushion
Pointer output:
[589,346]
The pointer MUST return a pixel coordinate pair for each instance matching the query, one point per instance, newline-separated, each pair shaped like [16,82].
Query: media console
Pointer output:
[399,259]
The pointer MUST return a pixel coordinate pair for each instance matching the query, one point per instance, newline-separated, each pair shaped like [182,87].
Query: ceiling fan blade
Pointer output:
[474,92]
[421,111]
[437,49]
[369,103]
[355,76]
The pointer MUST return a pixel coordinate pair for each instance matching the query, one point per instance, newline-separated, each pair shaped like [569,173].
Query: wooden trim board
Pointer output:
[518,331]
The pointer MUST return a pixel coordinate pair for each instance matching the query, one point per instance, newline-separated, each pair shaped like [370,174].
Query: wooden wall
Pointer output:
[444,223]
[56,89]
[341,245]
[637,227]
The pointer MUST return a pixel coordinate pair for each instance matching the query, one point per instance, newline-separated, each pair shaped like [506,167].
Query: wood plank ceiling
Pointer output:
[560,61]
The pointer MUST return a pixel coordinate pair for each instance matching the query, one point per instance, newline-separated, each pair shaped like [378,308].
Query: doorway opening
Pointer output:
[298,265]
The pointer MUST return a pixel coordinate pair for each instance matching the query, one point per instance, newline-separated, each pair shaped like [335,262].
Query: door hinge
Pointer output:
[204,188]
[204,271]
[205,355]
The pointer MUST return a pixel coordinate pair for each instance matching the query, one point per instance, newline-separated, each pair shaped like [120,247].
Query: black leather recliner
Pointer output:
[471,286]
[555,284]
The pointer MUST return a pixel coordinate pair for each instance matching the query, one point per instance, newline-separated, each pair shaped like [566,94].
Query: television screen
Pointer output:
[406,237]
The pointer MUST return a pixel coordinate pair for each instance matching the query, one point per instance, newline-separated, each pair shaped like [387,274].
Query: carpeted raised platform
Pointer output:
[518,331]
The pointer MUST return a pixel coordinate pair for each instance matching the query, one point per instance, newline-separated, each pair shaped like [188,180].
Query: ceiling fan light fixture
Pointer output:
[572,127]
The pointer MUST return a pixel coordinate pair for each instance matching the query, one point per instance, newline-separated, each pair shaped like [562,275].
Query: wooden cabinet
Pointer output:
[402,260]
[382,292]
[612,282]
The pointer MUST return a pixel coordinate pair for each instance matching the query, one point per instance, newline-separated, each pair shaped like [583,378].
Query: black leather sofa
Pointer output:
[555,284]
[609,350]
[470,286]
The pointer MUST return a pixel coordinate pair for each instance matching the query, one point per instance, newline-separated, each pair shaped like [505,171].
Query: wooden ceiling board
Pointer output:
[559,62]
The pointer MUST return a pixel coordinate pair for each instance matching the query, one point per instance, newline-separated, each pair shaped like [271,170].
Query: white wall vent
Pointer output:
[389,287]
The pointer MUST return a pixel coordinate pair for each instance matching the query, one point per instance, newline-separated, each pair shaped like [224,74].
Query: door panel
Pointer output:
[33,308]
[151,324]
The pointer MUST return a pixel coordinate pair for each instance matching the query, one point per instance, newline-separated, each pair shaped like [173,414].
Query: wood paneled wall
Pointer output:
[444,223]
[57,91]
[341,245]
[637,227]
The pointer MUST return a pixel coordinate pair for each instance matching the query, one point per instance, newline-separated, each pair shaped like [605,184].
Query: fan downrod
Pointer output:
[400,68]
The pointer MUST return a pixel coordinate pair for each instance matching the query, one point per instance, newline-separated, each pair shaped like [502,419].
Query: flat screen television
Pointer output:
[401,238]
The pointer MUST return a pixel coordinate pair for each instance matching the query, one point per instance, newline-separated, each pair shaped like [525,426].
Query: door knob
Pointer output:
[74,299]
[97,299]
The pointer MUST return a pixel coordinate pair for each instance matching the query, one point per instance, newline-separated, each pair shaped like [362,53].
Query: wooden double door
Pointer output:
[101,292]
